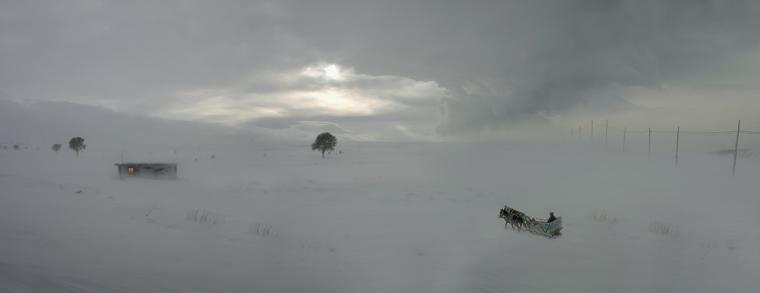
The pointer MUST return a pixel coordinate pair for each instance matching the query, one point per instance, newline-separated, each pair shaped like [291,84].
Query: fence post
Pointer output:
[592,130]
[736,147]
[649,147]
[625,129]
[678,133]
[606,127]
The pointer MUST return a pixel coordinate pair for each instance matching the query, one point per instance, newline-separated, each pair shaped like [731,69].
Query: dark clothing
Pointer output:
[552,217]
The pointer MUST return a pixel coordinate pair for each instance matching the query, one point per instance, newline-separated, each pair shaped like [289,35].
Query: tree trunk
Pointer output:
[323,154]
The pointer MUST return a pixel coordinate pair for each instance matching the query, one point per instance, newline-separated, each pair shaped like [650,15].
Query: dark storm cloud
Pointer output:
[586,47]
[536,58]
[502,61]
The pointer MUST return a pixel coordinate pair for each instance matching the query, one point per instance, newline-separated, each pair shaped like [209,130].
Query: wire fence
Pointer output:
[719,139]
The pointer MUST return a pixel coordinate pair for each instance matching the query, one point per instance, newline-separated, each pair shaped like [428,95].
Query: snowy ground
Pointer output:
[379,218]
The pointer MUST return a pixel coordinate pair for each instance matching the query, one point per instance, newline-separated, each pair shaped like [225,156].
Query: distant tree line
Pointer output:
[75,143]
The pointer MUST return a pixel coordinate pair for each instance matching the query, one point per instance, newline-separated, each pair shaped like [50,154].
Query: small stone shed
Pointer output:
[148,170]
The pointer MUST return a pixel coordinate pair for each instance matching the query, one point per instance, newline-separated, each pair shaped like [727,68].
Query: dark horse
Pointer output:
[512,217]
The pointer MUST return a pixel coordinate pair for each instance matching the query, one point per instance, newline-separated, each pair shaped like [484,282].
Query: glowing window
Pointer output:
[131,170]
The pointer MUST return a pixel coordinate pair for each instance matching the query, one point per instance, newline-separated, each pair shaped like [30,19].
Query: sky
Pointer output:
[391,70]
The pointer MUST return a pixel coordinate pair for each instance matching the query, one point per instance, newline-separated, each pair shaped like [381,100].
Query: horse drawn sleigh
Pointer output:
[520,221]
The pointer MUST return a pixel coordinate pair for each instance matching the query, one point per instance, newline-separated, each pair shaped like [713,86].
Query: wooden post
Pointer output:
[678,133]
[625,129]
[606,127]
[592,130]
[736,147]
[649,147]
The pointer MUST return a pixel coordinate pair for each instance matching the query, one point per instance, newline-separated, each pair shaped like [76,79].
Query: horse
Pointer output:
[512,217]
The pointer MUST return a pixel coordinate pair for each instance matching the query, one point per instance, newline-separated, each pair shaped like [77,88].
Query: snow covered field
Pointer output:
[378,218]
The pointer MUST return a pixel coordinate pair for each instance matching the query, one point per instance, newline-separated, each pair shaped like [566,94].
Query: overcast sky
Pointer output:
[391,69]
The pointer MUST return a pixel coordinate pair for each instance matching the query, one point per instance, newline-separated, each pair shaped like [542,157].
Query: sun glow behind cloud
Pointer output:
[327,72]
[336,101]
[332,72]
[328,91]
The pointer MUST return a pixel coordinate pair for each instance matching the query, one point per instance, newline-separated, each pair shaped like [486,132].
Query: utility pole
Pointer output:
[606,127]
[625,129]
[678,133]
[736,147]
[649,148]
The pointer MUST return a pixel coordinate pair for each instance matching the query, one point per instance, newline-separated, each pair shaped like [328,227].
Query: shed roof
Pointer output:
[145,164]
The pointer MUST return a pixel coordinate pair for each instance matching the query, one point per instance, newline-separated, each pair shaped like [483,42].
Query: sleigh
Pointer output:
[546,228]
[520,221]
